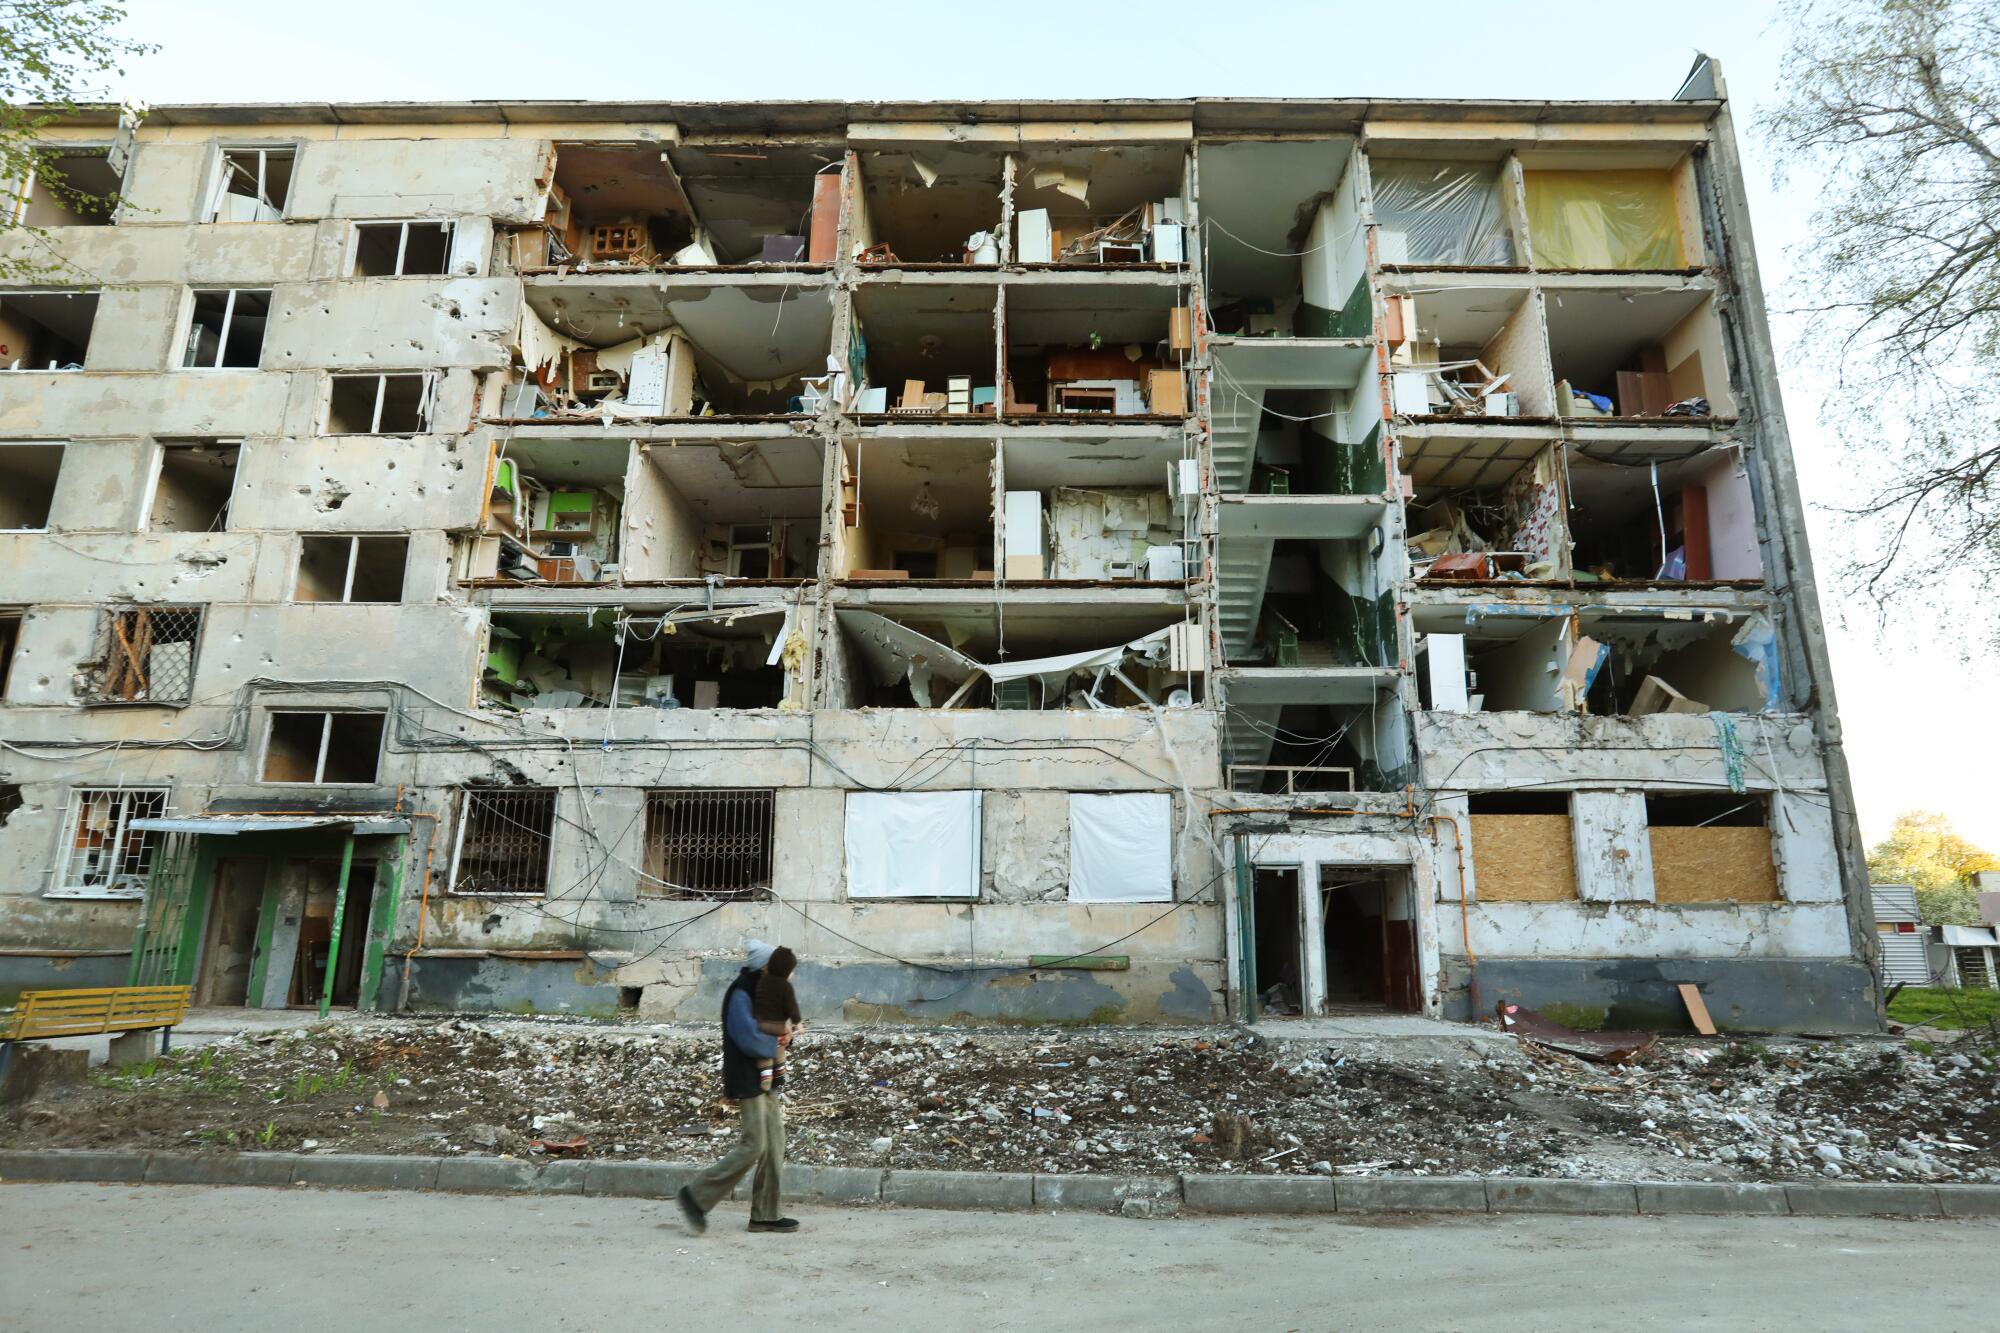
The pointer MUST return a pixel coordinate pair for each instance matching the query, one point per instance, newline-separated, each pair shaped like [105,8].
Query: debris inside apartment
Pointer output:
[1135,1101]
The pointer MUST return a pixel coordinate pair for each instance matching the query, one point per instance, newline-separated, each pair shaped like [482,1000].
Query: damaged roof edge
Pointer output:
[1209,114]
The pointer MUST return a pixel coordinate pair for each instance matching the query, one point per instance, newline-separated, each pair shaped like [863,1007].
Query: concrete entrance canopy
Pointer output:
[363,826]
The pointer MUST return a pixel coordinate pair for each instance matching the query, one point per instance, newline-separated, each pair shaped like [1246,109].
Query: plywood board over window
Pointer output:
[1714,864]
[1522,859]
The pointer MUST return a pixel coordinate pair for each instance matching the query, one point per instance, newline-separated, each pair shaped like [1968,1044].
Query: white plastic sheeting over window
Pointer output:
[1121,848]
[913,844]
[1445,212]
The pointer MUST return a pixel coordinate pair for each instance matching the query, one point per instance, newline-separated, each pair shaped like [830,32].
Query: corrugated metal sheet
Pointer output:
[1904,959]
[1894,902]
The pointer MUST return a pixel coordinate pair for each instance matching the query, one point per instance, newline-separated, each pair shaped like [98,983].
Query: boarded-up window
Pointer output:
[146,655]
[1709,849]
[1522,850]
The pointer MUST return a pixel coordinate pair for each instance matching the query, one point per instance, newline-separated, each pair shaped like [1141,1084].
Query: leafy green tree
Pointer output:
[1924,850]
[1894,105]
[54,57]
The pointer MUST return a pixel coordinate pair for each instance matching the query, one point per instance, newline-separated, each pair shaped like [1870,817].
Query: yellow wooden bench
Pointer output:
[80,1013]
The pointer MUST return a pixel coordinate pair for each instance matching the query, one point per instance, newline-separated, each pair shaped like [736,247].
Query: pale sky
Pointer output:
[1922,731]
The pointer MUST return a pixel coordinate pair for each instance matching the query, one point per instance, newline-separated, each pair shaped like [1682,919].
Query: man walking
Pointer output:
[761,1141]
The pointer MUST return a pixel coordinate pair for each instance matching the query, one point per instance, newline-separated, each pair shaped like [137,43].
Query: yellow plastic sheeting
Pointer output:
[1603,219]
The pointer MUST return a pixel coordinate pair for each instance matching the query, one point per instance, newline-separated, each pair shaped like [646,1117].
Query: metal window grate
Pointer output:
[504,839]
[103,854]
[710,843]
[146,655]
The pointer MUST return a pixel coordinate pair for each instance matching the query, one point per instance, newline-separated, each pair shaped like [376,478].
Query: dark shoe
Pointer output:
[691,1213]
[776,1224]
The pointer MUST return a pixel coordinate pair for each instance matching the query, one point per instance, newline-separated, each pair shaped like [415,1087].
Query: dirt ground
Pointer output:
[1122,1101]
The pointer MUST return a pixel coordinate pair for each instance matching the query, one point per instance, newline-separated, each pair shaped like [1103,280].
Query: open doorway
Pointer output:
[1280,961]
[1369,935]
[231,942]
[316,935]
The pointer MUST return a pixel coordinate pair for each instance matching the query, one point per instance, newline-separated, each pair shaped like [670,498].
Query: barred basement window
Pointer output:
[506,836]
[146,655]
[709,843]
[102,856]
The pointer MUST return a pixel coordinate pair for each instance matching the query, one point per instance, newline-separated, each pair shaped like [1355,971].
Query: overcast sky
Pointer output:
[1922,730]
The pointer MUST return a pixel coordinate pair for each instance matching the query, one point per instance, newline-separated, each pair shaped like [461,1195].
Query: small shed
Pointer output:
[1974,952]
[1904,938]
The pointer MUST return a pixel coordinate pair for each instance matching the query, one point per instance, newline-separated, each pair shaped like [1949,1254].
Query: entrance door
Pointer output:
[316,934]
[1280,961]
[1369,938]
[231,938]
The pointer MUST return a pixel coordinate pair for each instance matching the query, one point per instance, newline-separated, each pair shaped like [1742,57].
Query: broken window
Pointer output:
[102,856]
[194,485]
[401,249]
[506,838]
[146,655]
[66,188]
[330,748]
[253,185]
[1521,847]
[46,330]
[28,475]
[10,639]
[10,801]
[379,404]
[1711,847]
[708,844]
[351,569]
[226,329]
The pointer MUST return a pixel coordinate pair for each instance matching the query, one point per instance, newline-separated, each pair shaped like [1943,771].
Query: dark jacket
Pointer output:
[743,1045]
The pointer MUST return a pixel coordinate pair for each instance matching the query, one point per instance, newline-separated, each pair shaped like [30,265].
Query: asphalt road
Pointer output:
[301,1260]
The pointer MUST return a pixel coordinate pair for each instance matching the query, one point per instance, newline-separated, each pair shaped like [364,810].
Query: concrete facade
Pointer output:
[533,499]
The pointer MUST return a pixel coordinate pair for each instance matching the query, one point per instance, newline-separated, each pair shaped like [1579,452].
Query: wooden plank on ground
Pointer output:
[1697,1010]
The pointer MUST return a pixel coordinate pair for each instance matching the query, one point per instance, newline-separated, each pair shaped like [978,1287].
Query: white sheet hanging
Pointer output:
[1121,848]
[913,844]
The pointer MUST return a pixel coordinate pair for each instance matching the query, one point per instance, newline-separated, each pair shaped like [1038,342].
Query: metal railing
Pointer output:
[146,655]
[506,836]
[707,843]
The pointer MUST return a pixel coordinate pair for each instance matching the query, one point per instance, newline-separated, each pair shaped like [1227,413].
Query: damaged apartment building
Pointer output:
[1132,561]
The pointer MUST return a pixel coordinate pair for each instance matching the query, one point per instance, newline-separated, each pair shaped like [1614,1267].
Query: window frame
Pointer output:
[463,804]
[163,447]
[95,293]
[755,812]
[449,226]
[426,403]
[319,778]
[55,489]
[228,317]
[353,540]
[63,875]
[220,186]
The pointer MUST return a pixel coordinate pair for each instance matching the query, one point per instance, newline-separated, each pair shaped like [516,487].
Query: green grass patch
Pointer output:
[1940,1008]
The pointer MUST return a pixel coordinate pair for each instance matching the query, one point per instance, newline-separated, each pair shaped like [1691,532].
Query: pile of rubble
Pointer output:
[1108,1101]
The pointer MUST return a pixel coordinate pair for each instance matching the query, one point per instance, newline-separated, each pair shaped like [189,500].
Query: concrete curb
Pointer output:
[1134,1196]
